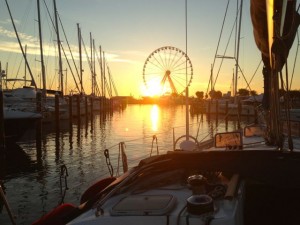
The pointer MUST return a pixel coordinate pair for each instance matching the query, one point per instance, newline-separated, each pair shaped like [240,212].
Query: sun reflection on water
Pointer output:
[154,113]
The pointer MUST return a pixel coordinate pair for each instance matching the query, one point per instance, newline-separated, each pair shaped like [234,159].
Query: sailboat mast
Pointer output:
[238,51]
[25,69]
[92,67]
[59,50]
[41,51]
[21,47]
[186,79]
[101,71]
[80,57]
[104,78]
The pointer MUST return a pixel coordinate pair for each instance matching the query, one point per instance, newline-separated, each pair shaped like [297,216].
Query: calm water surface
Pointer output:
[32,177]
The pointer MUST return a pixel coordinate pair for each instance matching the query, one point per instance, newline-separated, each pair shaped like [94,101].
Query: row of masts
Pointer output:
[107,86]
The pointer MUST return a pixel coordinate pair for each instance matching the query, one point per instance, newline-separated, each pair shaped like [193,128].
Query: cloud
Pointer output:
[8,21]
[124,56]
[11,45]
[11,34]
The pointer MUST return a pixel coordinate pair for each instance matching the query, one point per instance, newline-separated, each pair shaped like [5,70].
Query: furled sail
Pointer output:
[275,24]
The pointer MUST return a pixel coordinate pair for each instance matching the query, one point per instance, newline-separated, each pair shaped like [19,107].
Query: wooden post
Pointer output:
[39,123]
[70,111]
[217,110]
[239,113]
[255,112]
[78,109]
[226,115]
[86,108]
[92,107]
[208,107]
[2,130]
[57,113]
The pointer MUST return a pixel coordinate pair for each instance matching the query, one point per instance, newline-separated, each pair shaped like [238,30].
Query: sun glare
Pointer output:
[152,89]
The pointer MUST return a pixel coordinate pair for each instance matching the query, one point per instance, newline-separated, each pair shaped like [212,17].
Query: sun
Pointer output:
[152,89]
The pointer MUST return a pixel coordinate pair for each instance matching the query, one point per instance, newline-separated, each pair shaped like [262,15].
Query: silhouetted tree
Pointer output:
[243,92]
[200,95]
[215,94]
[253,93]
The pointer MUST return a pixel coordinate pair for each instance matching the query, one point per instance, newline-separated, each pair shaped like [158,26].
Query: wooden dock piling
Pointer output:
[2,131]
[70,111]
[57,125]
[39,123]
[78,109]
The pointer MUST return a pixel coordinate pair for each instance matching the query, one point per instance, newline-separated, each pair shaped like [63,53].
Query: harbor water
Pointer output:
[36,181]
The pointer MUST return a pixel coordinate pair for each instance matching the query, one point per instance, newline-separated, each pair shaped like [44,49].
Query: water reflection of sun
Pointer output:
[154,113]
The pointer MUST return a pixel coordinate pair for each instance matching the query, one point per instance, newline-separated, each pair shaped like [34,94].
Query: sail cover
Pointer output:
[284,31]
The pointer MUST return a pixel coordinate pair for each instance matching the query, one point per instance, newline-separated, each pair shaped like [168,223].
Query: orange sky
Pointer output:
[128,32]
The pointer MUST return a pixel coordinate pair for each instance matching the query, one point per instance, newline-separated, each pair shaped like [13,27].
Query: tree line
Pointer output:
[213,94]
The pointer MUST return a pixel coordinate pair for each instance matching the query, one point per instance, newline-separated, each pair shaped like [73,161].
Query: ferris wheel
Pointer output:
[169,68]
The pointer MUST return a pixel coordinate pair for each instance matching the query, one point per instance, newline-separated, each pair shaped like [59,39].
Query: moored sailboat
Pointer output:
[241,180]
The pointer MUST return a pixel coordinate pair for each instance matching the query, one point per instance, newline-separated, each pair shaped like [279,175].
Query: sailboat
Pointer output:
[231,103]
[244,178]
[25,98]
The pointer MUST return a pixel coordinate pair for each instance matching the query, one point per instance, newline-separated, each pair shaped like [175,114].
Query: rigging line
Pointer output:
[24,21]
[210,81]
[87,55]
[100,64]
[221,32]
[20,44]
[255,71]
[108,82]
[287,108]
[248,84]
[296,56]
[62,45]
[112,80]
[68,44]
[234,24]
[97,89]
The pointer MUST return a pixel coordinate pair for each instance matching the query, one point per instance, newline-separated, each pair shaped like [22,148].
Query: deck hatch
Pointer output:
[144,205]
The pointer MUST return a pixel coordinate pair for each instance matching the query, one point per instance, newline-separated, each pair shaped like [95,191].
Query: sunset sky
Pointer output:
[129,31]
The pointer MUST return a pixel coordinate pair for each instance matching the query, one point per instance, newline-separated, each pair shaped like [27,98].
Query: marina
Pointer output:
[33,186]
[203,143]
